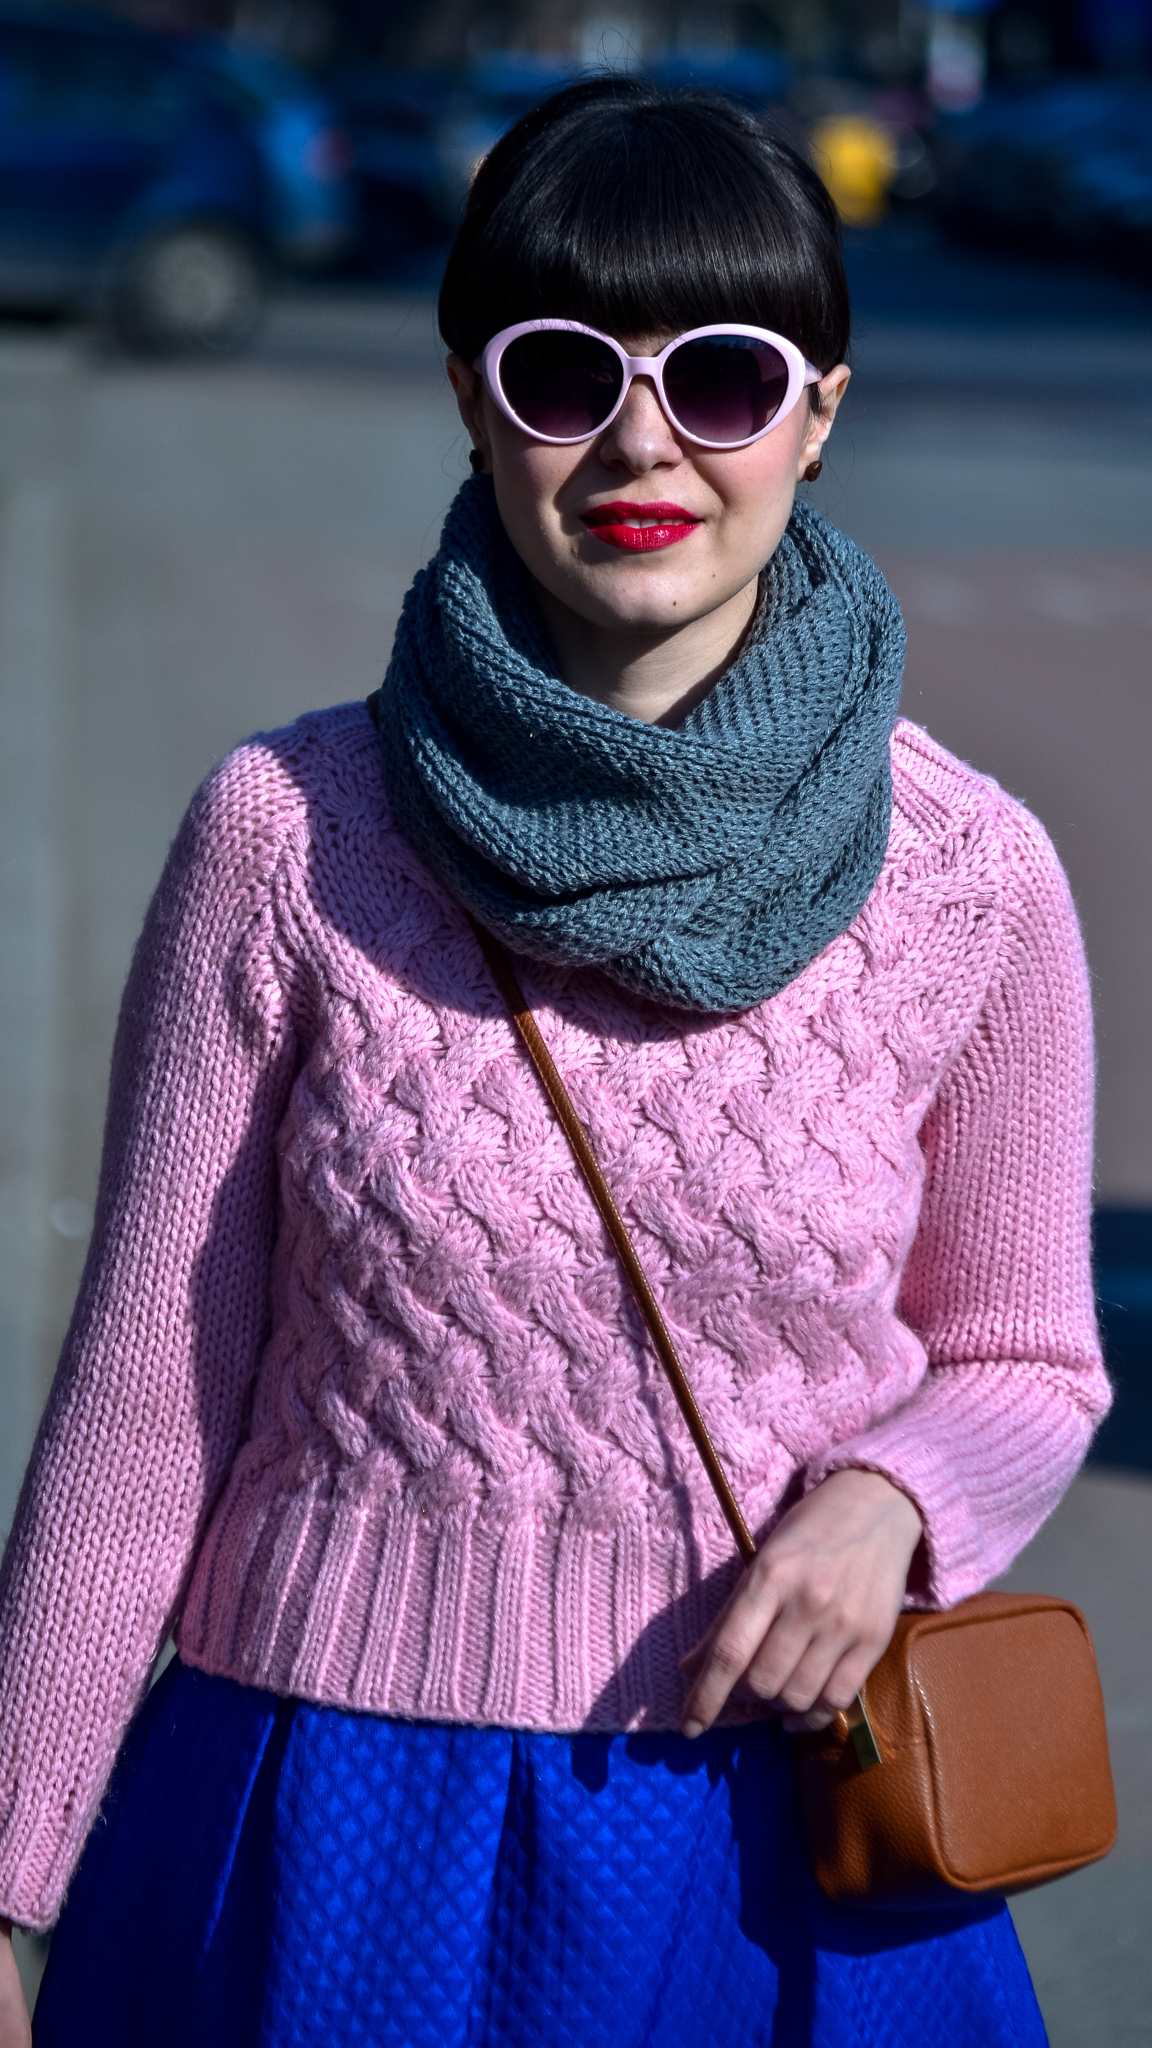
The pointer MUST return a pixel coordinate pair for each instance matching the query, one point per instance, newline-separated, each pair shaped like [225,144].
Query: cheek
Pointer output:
[758,484]
[763,476]
[529,479]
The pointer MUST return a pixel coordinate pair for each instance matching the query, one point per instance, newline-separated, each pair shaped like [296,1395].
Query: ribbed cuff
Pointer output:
[985,1452]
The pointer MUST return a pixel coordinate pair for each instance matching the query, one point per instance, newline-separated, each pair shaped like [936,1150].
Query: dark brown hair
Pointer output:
[644,211]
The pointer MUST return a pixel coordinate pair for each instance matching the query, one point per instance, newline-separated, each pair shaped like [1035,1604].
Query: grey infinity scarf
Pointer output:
[704,866]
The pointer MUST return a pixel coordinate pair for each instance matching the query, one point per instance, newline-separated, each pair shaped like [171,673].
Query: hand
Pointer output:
[15,2027]
[815,1610]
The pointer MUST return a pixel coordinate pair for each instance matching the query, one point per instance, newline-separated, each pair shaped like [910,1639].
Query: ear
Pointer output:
[831,389]
[468,386]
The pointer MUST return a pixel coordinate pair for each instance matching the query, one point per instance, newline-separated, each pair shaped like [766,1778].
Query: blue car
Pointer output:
[159,180]
[392,116]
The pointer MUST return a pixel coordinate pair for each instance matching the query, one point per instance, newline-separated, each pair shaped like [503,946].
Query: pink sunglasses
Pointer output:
[721,387]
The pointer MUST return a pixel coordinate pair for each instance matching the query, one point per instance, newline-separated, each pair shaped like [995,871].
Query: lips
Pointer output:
[643,527]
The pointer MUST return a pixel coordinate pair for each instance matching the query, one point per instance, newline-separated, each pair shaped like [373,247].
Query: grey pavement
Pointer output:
[188,554]
[1088,1938]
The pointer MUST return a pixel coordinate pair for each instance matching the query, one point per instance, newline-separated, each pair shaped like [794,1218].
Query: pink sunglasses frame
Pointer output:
[800,373]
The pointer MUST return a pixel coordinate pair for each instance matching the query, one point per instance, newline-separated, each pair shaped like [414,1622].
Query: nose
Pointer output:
[641,437]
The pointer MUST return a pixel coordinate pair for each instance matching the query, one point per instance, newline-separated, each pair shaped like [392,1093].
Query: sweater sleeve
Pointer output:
[998,1283]
[148,1405]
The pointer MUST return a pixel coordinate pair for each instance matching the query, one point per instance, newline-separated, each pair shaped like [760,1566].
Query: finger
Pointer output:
[822,1666]
[793,1644]
[841,1648]
[837,1693]
[807,1724]
[693,1661]
[696,1655]
[795,1684]
[691,1666]
[734,1644]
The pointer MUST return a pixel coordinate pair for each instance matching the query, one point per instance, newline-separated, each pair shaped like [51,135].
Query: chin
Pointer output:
[647,617]
[638,600]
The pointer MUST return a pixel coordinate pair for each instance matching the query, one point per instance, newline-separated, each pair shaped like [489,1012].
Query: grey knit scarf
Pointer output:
[704,866]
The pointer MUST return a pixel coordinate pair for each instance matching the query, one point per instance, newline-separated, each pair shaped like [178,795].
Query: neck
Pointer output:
[655,675]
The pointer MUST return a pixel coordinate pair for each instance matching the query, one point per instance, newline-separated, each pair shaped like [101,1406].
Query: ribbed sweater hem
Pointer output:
[375,1607]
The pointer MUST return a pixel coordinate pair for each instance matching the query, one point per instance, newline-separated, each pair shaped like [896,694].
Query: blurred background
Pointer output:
[227,442]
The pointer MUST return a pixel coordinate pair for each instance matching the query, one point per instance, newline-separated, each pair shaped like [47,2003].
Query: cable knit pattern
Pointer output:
[354,1384]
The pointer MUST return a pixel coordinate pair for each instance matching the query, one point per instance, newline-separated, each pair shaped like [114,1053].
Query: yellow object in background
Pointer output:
[856,157]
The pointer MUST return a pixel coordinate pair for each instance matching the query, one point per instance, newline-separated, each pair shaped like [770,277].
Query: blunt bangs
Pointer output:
[645,212]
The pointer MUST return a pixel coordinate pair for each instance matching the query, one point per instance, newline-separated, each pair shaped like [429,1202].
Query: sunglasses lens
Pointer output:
[559,383]
[726,387]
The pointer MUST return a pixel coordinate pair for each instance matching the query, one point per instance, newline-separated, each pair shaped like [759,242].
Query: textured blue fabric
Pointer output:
[272,1875]
[705,866]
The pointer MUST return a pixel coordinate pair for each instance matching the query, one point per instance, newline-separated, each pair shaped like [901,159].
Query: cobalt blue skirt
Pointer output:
[267,1874]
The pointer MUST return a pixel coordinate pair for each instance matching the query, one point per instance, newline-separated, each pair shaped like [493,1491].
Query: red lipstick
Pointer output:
[625,525]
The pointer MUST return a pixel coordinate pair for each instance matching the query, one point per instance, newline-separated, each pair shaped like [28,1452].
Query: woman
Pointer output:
[477,1731]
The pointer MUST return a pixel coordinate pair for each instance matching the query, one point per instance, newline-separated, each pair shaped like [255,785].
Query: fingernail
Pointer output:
[692,1729]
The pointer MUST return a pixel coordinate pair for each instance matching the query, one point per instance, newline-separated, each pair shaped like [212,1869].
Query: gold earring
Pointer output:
[812,472]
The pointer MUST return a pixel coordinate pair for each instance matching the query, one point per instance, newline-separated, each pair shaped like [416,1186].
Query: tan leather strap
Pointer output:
[504,975]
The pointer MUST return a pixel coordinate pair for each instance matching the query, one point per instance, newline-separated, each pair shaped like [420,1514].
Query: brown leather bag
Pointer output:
[984,1767]
[975,1759]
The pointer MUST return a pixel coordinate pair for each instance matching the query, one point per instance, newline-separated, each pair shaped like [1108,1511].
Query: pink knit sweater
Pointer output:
[354,1386]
